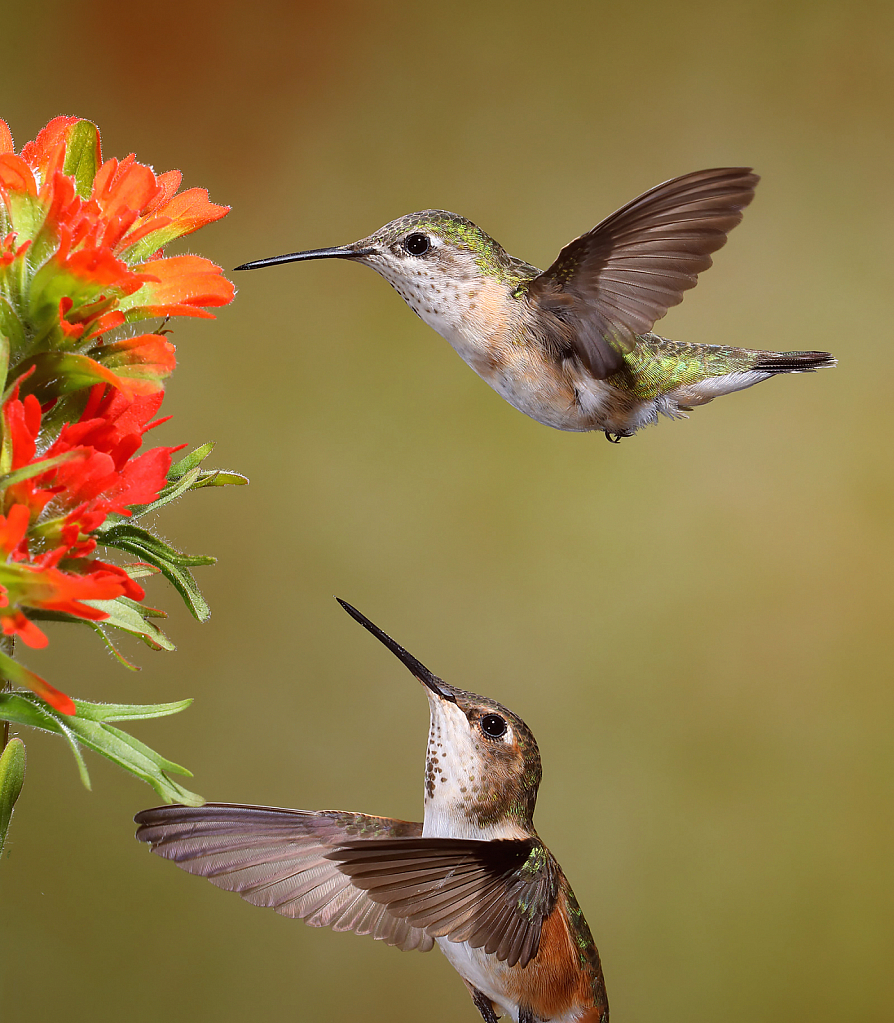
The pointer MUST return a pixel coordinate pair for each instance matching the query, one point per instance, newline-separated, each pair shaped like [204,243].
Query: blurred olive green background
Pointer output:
[696,623]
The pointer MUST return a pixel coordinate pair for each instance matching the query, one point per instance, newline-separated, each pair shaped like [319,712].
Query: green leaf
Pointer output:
[113,650]
[183,476]
[190,461]
[82,156]
[219,478]
[129,616]
[42,615]
[140,571]
[173,564]
[209,477]
[90,728]
[132,712]
[128,537]
[12,777]
[36,468]
[124,614]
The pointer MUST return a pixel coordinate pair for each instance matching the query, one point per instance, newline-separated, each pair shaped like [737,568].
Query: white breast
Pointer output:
[482,971]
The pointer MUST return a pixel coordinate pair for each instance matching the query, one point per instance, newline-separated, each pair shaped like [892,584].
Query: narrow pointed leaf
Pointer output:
[59,616]
[190,461]
[125,614]
[210,477]
[132,712]
[36,468]
[220,478]
[140,571]
[25,709]
[90,728]
[125,536]
[72,741]
[130,617]
[173,564]
[113,650]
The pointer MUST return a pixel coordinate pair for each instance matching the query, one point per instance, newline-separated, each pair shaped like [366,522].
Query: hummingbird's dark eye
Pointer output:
[493,726]
[417,244]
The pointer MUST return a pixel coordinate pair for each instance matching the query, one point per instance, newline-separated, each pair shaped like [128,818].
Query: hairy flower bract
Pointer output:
[82,268]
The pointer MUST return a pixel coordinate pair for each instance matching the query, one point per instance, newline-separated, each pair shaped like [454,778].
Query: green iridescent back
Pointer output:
[657,365]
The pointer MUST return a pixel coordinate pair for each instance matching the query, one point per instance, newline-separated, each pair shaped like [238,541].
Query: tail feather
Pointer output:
[794,362]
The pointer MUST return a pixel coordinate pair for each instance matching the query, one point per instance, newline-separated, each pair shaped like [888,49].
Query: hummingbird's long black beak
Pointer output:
[337,252]
[435,684]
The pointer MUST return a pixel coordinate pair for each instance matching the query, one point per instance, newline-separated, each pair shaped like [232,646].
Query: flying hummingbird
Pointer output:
[572,346]
[474,877]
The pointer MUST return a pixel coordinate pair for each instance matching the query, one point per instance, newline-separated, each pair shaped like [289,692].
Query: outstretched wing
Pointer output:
[615,281]
[494,895]
[278,858]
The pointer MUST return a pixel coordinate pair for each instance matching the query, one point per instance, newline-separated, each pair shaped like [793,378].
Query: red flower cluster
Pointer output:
[98,474]
[80,259]
[80,255]
[47,517]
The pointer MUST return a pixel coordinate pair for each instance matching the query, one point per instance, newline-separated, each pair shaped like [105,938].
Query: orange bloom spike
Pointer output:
[88,228]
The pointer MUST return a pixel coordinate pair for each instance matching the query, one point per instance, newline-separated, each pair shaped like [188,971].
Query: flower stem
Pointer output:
[7,645]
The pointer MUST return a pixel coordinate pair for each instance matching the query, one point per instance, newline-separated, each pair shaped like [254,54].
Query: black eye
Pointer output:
[417,244]
[493,726]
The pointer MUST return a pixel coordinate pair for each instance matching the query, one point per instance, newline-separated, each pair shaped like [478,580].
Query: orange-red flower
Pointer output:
[40,584]
[91,469]
[46,518]
[80,255]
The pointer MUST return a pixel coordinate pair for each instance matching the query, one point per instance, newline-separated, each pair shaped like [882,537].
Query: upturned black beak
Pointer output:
[338,252]
[435,684]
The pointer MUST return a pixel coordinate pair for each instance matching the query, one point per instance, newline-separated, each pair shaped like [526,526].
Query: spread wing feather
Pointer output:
[494,895]
[614,282]
[279,859]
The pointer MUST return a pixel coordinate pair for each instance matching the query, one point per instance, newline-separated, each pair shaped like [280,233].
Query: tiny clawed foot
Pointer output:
[613,438]
[483,1004]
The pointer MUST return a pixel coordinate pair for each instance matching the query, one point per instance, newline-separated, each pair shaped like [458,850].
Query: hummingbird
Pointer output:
[473,877]
[572,346]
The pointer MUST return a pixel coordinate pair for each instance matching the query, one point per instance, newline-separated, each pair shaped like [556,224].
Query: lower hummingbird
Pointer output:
[572,346]
[473,877]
